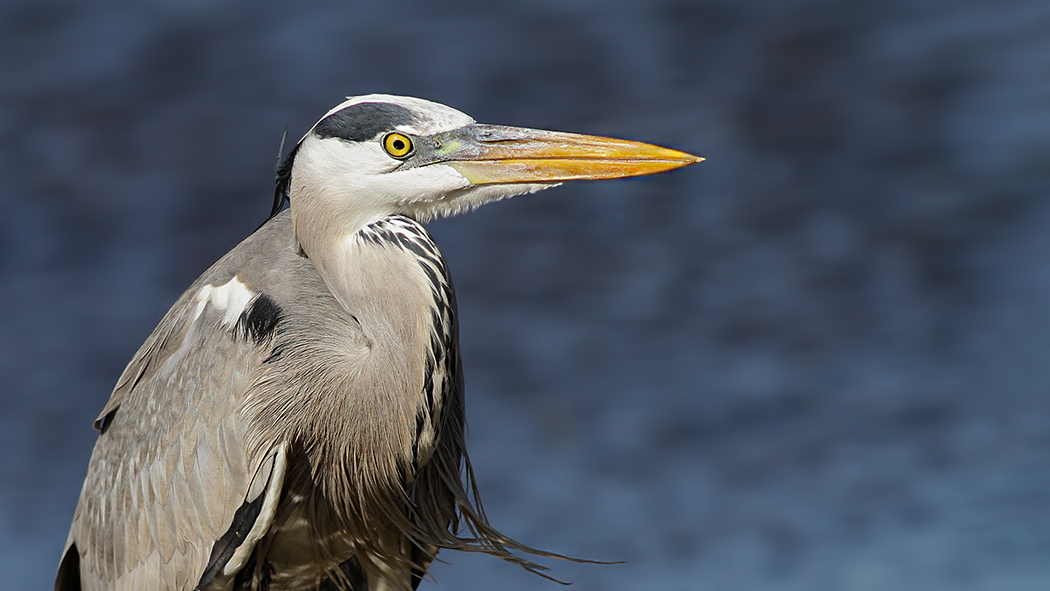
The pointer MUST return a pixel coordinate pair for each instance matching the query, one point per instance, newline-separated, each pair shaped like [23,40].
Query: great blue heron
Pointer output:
[295,421]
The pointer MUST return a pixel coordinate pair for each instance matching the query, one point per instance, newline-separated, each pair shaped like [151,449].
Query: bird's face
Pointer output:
[379,155]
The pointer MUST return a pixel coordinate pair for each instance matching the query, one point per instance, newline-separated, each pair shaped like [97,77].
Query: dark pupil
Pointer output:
[399,145]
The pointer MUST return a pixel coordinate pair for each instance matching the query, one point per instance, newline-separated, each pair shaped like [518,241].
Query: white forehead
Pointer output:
[431,117]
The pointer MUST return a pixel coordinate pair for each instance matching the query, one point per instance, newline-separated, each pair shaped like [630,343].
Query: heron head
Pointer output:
[379,155]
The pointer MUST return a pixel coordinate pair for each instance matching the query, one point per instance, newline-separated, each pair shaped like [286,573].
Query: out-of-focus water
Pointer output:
[818,360]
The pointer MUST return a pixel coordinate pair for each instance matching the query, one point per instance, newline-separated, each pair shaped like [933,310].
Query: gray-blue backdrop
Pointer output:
[817,361]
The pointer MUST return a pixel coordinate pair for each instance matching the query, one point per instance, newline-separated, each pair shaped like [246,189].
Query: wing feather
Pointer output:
[171,469]
[251,520]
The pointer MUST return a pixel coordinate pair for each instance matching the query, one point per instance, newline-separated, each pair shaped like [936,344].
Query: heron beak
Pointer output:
[492,154]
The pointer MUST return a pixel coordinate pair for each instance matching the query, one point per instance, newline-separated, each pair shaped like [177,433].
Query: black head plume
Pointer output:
[284,176]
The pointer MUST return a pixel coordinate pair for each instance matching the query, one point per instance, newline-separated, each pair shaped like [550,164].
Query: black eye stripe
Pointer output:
[364,121]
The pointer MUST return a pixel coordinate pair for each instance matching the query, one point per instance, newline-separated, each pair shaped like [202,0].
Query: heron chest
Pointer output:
[410,313]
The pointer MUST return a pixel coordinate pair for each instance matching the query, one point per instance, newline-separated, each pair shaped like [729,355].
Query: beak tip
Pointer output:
[691,158]
[686,159]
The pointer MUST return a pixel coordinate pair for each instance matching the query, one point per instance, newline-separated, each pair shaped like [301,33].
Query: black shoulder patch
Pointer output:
[68,578]
[260,320]
[363,121]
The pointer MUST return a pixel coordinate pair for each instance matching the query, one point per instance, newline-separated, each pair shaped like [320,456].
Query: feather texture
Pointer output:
[366,398]
[295,422]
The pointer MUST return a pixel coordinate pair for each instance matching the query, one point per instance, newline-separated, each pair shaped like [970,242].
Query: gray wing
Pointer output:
[174,498]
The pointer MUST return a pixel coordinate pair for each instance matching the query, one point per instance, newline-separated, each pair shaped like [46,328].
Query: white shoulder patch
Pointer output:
[231,297]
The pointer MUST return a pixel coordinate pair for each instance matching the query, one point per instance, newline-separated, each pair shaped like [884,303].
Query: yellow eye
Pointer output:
[397,145]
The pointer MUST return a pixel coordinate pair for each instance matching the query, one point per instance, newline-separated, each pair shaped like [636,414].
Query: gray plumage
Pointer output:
[295,421]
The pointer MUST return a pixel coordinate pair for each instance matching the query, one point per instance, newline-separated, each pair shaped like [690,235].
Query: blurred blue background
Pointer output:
[817,361]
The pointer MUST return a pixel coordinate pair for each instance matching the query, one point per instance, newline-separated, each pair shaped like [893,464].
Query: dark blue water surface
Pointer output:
[818,361]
